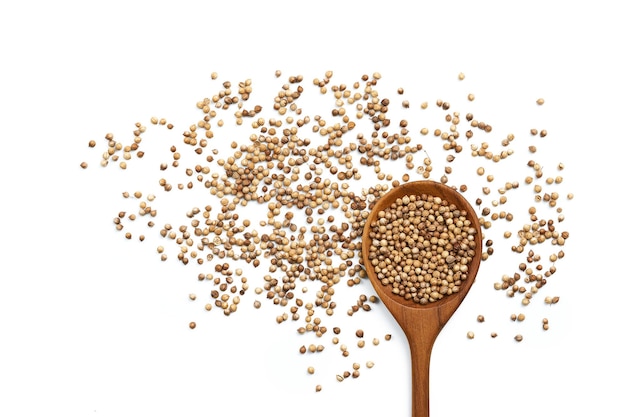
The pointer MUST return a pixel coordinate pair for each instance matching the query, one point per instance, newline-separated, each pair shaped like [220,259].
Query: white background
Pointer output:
[94,325]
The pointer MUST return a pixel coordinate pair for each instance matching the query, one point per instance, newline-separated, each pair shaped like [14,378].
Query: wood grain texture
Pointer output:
[422,323]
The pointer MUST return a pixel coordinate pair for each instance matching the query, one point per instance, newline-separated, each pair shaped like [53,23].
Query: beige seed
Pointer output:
[470,335]
[519,338]
[311,370]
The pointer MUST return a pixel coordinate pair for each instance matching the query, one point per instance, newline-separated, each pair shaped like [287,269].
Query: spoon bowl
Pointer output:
[421,323]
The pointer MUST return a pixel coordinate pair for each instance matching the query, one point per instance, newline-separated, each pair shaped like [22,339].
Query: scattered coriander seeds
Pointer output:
[519,338]
[470,335]
[279,166]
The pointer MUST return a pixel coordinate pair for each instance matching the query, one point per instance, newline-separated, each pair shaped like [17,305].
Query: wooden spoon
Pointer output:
[422,323]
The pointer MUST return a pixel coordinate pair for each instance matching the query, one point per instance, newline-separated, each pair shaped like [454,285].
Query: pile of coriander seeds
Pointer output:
[422,247]
[278,208]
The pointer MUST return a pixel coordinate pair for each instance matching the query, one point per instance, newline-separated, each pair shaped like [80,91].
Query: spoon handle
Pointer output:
[420,365]
[421,328]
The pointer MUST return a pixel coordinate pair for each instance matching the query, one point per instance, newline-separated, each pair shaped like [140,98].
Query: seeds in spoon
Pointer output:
[421,247]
